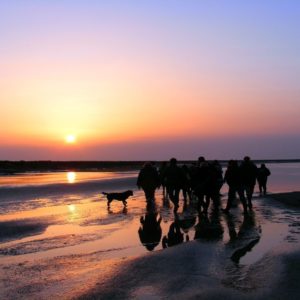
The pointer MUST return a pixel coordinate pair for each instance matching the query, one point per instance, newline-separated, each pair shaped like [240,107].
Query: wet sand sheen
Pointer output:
[113,245]
[101,232]
[76,242]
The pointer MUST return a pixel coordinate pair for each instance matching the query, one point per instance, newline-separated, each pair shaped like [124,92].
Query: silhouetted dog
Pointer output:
[118,196]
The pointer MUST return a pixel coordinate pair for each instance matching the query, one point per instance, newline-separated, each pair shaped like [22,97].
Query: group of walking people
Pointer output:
[203,181]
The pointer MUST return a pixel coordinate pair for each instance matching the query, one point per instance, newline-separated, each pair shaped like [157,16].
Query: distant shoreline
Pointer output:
[15,167]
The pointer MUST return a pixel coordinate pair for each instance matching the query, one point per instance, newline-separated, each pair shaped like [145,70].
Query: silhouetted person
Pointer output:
[233,179]
[201,183]
[174,178]
[219,175]
[248,171]
[150,231]
[214,184]
[193,169]
[148,180]
[262,177]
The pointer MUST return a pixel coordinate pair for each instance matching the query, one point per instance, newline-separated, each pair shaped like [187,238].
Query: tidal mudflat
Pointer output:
[59,239]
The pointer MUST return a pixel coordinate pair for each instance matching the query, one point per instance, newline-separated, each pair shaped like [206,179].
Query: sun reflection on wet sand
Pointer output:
[73,213]
[71,176]
[72,208]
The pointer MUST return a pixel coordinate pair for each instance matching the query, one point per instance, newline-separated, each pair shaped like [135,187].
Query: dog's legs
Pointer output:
[108,202]
[124,203]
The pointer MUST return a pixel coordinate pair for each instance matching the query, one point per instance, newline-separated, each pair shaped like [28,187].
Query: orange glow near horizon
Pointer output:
[139,110]
[126,106]
[71,86]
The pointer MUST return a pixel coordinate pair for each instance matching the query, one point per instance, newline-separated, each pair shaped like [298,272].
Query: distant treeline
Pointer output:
[11,167]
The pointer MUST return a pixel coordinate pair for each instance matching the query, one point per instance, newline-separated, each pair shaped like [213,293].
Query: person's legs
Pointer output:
[170,192]
[206,203]
[149,194]
[231,197]
[249,193]
[185,193]
[200,203]
[241,193]
[260,185]
[264,186]
[216,199]
[176,198]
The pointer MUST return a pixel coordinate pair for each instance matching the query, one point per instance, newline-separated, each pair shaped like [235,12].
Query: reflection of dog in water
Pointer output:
[118,196]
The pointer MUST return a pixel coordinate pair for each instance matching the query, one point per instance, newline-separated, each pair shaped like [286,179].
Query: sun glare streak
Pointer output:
[71,177]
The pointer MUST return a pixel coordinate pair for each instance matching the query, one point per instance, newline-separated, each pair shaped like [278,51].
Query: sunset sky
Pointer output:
[139,80]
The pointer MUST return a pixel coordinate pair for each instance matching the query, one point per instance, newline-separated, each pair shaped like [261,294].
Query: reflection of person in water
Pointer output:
[150,230]
[245,238]
[174,237]
[187,223]
[187,219]
[209,227]
[231,229]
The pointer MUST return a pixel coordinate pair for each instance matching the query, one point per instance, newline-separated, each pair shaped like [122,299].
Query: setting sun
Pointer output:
[70,139]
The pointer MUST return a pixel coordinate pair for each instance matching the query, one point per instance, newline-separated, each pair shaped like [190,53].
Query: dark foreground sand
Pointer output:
[187,272]
[203,271]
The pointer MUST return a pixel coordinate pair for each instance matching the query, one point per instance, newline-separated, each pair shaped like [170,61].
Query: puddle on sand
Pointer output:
[276,224]
[271,236]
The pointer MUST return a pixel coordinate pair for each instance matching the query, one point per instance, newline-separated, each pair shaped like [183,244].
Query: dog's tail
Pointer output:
[104,193]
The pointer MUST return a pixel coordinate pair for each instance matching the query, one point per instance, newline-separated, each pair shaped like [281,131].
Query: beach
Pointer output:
[149,150]
[58,239]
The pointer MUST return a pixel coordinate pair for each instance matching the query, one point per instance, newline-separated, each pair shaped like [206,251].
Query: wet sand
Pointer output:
[195,271]
[255,257]
[292,198]
[205,271]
